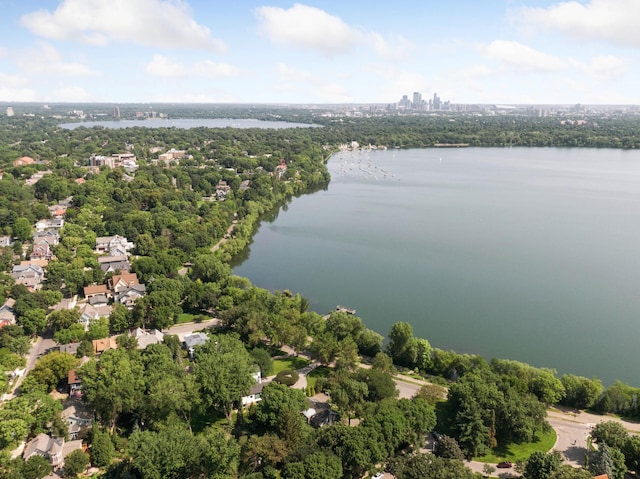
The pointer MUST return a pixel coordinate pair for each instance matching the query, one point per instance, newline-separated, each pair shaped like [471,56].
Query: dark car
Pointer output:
[505,465]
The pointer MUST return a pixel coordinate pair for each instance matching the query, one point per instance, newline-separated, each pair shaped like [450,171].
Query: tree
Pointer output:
[383,362]
[33,321]
[605,456]
[349,395]
[102,450]
[224,372]
[22,230]
[568,472]
[448,448]
[318,465]
[631,451]
[611,433]
[64,318]
[75,463]
[542,465]
[263,360]
[580,392]
[51,369]
[547,387]
[115,386]
[277,398]
[380,384]
[36,467]
[488,469]
[403,347]
[98,328]
[428,466]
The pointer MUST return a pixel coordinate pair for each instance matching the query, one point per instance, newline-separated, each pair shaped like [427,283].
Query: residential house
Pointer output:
[58,211]
[29,275]
[95,290]
[6,311]
[255,393]
[41,251]
[52,224]
[325,417]
[50,237]
[128,296]
[74,381]
[98,300]
[46,446]
[146,338]
[222,189]
[89,312]
[120,282]
[102,345]
[71,348]
[52,449]
[37,177]
[114,264]
[77,416]
[25,160]
[113,245]
[66,303]
[191,341]
[5,241]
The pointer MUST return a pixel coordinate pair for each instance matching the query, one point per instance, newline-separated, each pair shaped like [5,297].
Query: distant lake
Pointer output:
[189,123]
[525,254]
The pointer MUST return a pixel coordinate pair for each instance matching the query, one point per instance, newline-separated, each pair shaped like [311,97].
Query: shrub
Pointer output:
[287,377]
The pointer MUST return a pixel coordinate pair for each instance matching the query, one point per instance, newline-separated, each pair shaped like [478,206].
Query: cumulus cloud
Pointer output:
[71,94]
[159,23]
[605,67]
[312,28]
[162,66]
[47,60]
[395,48]
[521,57]
[308,27]
[17,94]
[295,80]
[611,20]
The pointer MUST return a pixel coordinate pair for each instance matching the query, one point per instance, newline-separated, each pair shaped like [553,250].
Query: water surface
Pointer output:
[187,123]
[527,254]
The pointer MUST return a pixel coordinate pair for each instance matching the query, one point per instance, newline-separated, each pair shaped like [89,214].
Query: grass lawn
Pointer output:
[319,372]
[186,318]
[289,363]
[520,452]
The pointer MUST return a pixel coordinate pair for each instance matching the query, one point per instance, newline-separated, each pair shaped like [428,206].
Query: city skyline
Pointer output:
[175,51]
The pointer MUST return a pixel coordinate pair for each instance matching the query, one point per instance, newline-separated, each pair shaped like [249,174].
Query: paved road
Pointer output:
[187,328]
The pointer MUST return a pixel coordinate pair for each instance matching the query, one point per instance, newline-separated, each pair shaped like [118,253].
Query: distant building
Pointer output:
[116,112]
[10,111]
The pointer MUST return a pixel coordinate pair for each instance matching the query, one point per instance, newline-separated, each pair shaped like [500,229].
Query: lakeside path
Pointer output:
[182,271]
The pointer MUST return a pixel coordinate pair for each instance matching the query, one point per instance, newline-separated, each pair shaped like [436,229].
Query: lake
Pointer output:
[188,123]
[517,253]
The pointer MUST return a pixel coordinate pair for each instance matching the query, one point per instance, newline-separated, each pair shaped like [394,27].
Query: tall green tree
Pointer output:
[224,372]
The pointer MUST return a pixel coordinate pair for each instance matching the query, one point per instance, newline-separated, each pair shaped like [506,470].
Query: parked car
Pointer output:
[378,475]
[505,465]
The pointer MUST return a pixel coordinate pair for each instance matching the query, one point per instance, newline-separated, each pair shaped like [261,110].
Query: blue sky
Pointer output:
[355,51]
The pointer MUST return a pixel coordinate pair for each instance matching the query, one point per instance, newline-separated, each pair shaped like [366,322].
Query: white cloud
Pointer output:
[605,67]
[17,94]
[12,81]
[394,49]
[294,80]
[615,21]
[159,23]
[162,66]
[70,94]
[47,60]
[309,27]
[521,57]
[314,29]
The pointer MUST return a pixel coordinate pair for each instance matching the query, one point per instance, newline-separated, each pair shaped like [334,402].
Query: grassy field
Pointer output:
[319,372]
[520,452]
[186,318]
[289,363]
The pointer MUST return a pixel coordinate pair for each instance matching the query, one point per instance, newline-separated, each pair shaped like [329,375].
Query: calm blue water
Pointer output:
[188,123]
[526,254]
